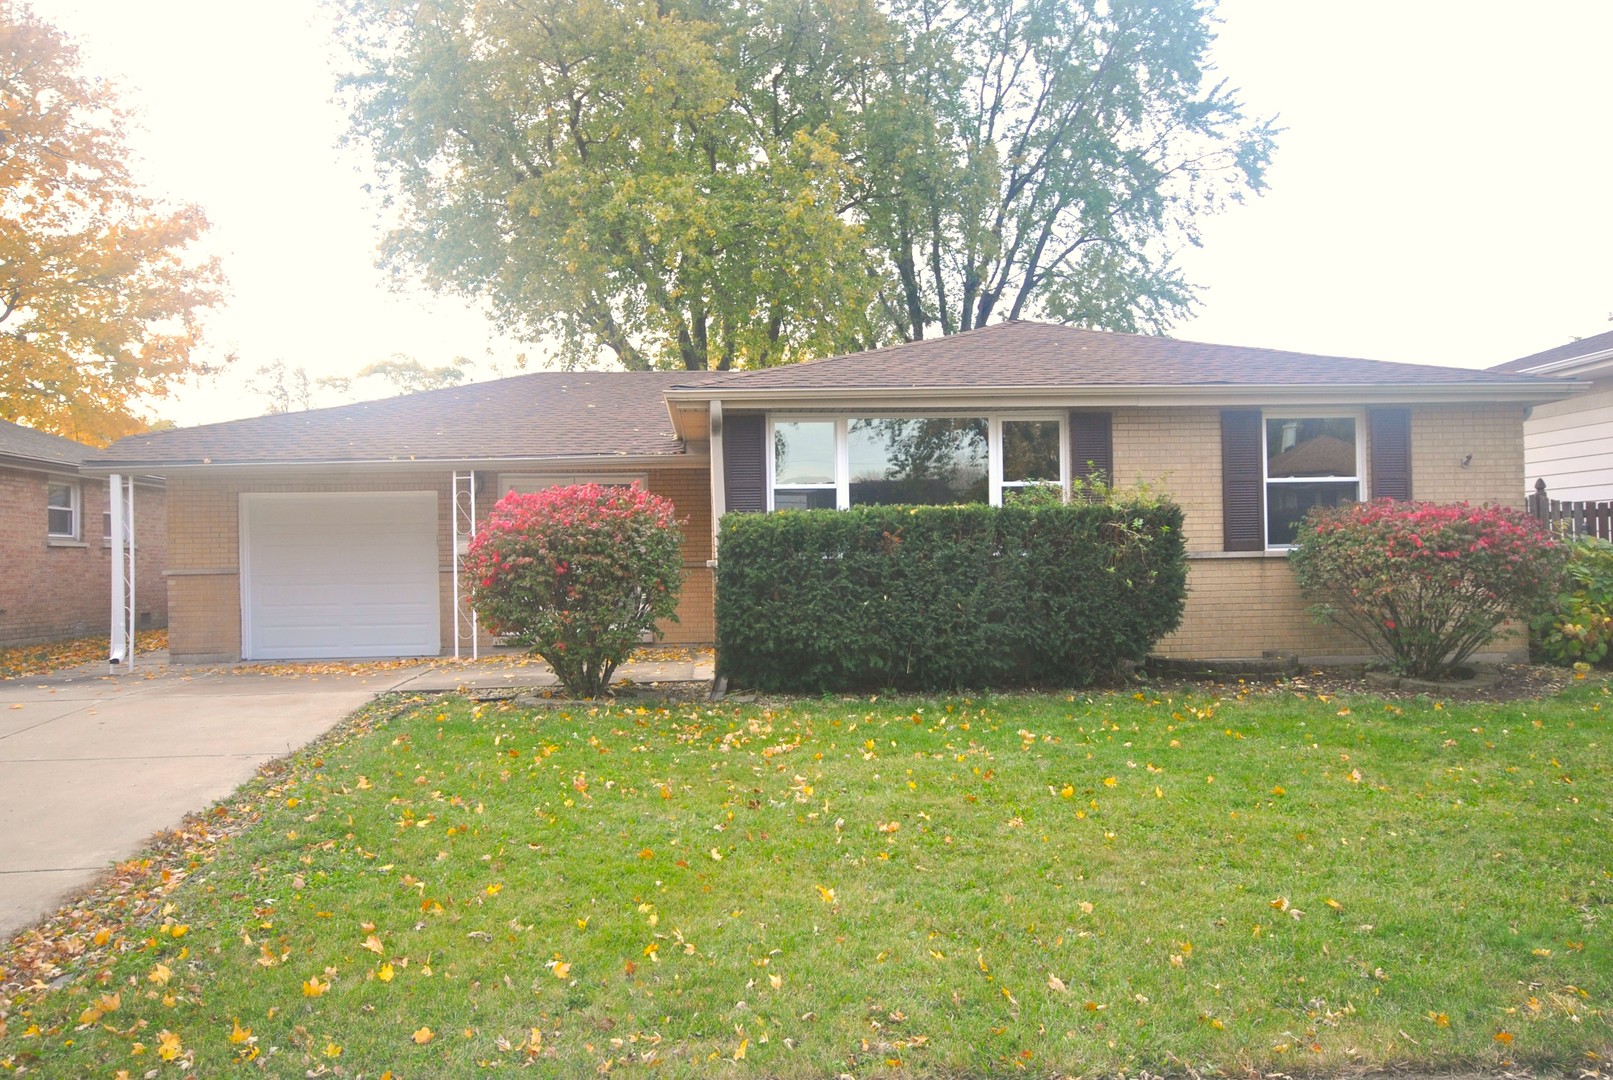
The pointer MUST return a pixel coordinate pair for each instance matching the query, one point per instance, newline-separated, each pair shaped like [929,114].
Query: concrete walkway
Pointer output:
[93,765]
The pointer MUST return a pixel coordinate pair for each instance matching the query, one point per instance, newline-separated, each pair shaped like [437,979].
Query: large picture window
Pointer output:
[838,462]
[917,462]
[1310,461]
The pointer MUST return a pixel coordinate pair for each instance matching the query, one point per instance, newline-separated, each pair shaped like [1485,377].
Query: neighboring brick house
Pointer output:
[332,532]
[1569,443]
[54,543]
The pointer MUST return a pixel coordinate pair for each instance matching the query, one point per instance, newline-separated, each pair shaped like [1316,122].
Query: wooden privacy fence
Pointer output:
[1579,518]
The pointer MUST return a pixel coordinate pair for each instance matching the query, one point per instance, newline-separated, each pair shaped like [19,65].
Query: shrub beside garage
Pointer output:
[938,598]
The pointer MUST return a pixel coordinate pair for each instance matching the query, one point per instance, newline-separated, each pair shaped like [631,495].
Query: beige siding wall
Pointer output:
[1569,444]
[204,585]
[1242,605]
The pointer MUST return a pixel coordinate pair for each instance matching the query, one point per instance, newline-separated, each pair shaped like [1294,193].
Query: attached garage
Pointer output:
[339,574]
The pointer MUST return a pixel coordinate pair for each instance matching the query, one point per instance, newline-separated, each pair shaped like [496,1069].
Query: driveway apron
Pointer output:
[93,765]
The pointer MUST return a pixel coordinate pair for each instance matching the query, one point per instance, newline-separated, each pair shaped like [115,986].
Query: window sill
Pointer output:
[64,542]
[1279,553]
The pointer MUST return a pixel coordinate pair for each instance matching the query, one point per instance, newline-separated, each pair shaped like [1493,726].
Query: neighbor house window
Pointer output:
[1310,462]
[62,502]
[825,463]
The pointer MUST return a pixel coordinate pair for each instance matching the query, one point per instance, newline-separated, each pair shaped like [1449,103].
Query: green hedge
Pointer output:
[929,598]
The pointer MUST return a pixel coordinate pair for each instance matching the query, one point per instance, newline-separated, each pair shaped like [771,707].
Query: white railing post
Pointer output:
[464,498]
[120,653]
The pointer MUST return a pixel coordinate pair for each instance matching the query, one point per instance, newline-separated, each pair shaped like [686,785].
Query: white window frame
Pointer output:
[75,506]
[842,455]
[994,445]
[1360,478]
[995,455]
[528,483]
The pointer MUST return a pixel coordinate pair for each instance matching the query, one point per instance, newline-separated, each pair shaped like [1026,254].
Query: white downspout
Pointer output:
[120,654]
[719,481]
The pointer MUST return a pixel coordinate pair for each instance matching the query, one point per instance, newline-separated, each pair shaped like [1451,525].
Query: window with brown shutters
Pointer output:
[1092,451]
[1278,465]
[744,462]
[1243,524]
[1389,432]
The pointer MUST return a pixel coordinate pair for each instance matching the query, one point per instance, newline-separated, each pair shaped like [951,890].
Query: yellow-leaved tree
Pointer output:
[100,287]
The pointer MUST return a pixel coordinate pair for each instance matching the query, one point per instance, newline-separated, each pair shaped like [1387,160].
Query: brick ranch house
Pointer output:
[333,532]
[55,542]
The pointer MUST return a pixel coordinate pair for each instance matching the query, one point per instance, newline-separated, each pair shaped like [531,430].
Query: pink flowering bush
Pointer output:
[579,574]
[1424,584]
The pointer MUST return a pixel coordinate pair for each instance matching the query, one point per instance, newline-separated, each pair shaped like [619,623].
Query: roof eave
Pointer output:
[1600,357]
[37,464]
[1523,393]
[503,464]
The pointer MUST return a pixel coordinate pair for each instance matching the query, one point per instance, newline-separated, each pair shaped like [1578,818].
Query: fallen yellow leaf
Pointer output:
[384,973]
[240,1034]
[423,1035]
[313,987]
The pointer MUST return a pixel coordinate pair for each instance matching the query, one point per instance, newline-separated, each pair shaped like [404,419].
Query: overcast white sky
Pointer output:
[1441,194]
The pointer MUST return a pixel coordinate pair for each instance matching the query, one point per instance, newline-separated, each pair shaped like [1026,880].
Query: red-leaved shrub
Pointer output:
[1424,584]
[577,573]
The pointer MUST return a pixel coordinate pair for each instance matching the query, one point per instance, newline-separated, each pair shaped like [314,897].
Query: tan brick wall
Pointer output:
[204,585]
[1243,605]
[1489,438]
[1236,607]
[690,492]
[54,590]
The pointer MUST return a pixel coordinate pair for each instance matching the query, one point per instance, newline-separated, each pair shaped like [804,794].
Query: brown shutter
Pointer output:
[1092,447]
[744,463]
[1242,502]
[1390,444]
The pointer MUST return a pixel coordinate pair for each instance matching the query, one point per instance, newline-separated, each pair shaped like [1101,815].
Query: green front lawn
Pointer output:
[943,887]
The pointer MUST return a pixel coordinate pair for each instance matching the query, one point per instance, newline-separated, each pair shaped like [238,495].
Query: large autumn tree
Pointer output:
[99,289]
[722,183]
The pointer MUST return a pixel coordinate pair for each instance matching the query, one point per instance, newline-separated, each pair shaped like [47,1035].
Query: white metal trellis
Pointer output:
[465,626]
[120,653]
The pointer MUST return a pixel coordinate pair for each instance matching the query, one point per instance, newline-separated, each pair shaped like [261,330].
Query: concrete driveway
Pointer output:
[92,765]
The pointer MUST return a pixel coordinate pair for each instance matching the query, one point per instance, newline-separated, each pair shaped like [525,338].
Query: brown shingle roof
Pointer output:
[20,443]
[622,414]
[1045,355]
[540,415]
[1573,350]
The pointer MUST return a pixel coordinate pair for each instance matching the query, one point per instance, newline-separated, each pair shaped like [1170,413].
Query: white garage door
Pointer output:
[339,574]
